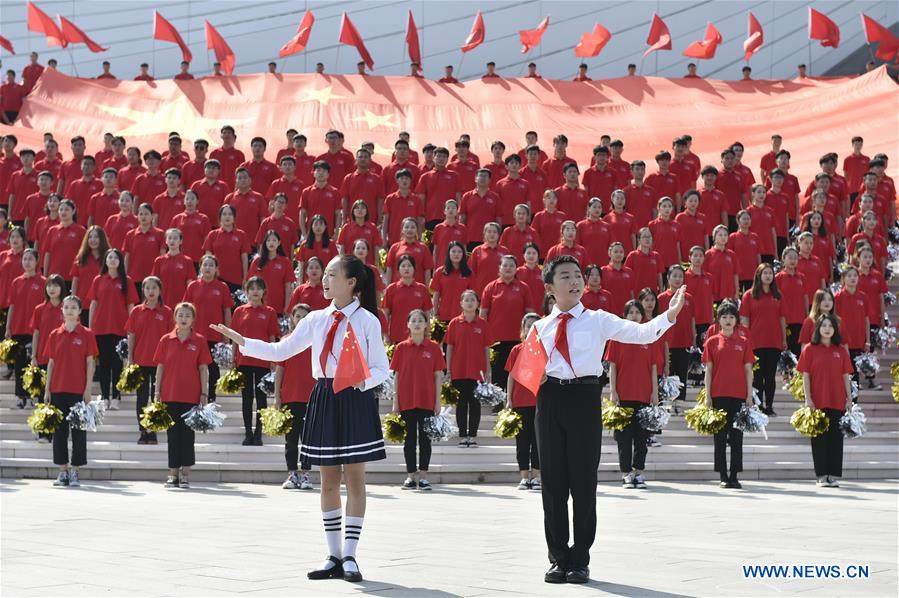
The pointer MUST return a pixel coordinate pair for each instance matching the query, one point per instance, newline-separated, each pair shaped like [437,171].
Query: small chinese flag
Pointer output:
[531,363]
[351,366]
[823,29]
[6,44]
[756,37]
[875,32]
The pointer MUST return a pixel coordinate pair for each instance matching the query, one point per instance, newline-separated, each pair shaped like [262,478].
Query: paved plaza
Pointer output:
[675,539]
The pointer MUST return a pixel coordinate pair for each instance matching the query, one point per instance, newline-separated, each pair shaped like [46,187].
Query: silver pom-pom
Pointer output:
[888,274]
[267,384]
[835,287]
[121,349]
[889,298]
[204,419]
[87,416]
[841,253]
[696,368]
[284,325]
[853,390]
[751,419]
[440,427]
[854,423]
[793,232]
[786,364]
[386,391]
[777,266]
[867,365]
[240,297]
[893,235]
[223,355]
[489,395]
[669,388]
[892,253]
[652,417]
[885,338]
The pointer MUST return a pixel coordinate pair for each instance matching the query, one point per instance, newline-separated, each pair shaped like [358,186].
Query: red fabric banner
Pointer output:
[659,37]
[74,35]
[40,22]
[592,43]
[821,28]
[166,32]
[530,38]
[875,32]
[412,40]
[6,45]
[349,35]
[298,42]
[756,37]
[705,49]
[477,35]
[223,52]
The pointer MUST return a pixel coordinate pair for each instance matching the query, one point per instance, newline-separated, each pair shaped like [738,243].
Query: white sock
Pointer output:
[351,540]
[331,520]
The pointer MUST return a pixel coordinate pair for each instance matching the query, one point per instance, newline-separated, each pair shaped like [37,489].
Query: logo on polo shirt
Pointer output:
[261,315]
[477,330]
[835,353]
[160,317]
[426,354]
[179,265]
[277,266]
[77,341]
[216,292]
[191,347]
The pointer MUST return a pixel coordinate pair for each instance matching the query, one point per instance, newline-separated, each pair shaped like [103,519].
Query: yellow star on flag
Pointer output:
[375,120]
[179,113]
[323,96]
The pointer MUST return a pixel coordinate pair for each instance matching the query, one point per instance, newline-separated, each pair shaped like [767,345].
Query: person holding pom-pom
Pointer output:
[212,299]
[728,362]
[25,293]
[524,403]
[342,430]
[826,376]
[467,341]
[147,323]
[763,312]
[46,318]
[418,363]
[70,370]
[182,359]
[293,387]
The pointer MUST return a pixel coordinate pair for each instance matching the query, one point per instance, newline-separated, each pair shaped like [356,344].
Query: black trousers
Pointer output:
[180,437]
[64,401]
[214,374]
[827,449]
[252,375]
[701,329]
[498,368]
[293,438]
[728,435]
[109,367]
[468,411]
[793,345]
[569,438]
[21,363]
[632,442]
[781,245]
[679,366]
[853,353]
[745,285]
[765,378]
[144,393]
[732,224]
[766,258]
[526,452]
[415,434]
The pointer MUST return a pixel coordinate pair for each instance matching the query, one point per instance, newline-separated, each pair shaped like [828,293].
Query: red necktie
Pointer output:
[329,341]
[561,341]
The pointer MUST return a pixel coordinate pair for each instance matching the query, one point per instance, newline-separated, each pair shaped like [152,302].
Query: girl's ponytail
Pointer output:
[353,267]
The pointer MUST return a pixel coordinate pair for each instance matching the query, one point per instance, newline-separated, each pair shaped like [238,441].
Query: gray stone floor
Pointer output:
[675,539]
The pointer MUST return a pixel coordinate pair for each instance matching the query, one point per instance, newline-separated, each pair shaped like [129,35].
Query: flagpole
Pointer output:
[773,29]
[337,60]
[461,60]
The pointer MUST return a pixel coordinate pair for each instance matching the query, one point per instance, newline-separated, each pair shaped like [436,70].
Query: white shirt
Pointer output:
[313,331]
[588,332]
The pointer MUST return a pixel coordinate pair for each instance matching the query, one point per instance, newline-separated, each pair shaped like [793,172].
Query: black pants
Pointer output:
[526,452]
[853,353]
[109,367]
[22,361]
[781,245]
[827,449]
[415,434]
[498,368]
[728,435]
[793,345]
[632,442]
[468,411]
[745,285]
[252,375]
[765,378]
[569,438]
[144,393]
[64,401]
[679,366]
[732,224]
[701,329]
[295,436]
[214,374]
[180,437]
[766,258]
[233,286]
[469,247]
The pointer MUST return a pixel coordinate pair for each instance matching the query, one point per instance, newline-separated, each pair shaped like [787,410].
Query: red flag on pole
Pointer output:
[166,32]
[659,36]
[412,40]
[6,45]
[477,35]
[530,366]
[756,37]
[223,52]
[530,38]
[875,32]
[74,35]
[351,367]
[40,22]
[298,42]
[823,29]
[349,35]
[593,42]
[705,49]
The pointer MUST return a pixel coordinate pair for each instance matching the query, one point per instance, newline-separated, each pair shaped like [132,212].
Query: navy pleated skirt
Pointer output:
[342,428]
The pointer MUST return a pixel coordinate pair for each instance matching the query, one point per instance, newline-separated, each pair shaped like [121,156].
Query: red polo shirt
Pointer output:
[764,316]
[680,335]
[878,245]
[210,198]
[388,175]
[353,231]
[230,159]
[815,275]
[852,308]
[81,192]
[450,286]
[63,243]
[665,237]
[507,302]
[111,312]
[437,186]
[478,210]
[595,236]
[22,184]
[515,239]
[620,283]
[641,201]
[601,183]
[147,186]
[622,169]
[466,171]
[297,382]
[468,339]
[228,248]
[415,365]
[86,272]
[826,366]
[731,184]
[320,200]
[291,189]
[538,182]
[521,396]
[313,296]
[761,226]
[35,207]
[211,300]
[129,174]
[633,365]
[792,291]
[549,228]
[401,299]
[444,234]
[25,294]
[554,167]
[855,167]
[342,163]
[117,226]
[325,254]
[366,186]
[102,206]
[646,268]
[277,273]
[175,272]
[873,286]
[45,318]
[142,248]
[251,208]
[721,265]
[484,262]
[597,300]
[418,250]
[148,325]
[578,252]
[284,226]
[181,361]
[728,356]
[511,193]
[498,172]
[69,352]
[258,322]
[622,225]
[747,249]
[194,228]
[572,201]
[779,204]
[69,172]
[397,208]
[533,278]
[262,173]
[166,207]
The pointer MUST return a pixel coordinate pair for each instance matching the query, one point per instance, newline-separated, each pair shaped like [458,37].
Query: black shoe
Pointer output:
[247,440]
[257,439]
[733,482]
[556,574]
[578,575]
[335,572]
[352,576]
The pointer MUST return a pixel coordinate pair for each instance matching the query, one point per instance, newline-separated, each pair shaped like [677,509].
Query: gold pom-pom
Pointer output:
[3,315]
[508,424]
[438,329]
[449,395]
[700,396]
[45,419]
[795,387]
[276,422]
[704,420]
[130,379]
[382,259]
[493,353]
[34,380]
[156,418]
[894,372]
[755,366]
[895,391]
[426,237]
[394,428]
[389,348]
[809,422]
[231,383]
[9,351]
[615,416]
